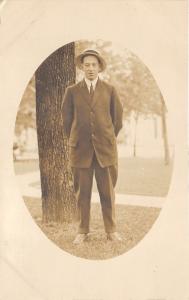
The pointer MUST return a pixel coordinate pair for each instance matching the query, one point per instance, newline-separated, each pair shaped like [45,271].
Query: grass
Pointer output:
[144,176]
[139,176]
[133,223]
[26,166]
[136,176]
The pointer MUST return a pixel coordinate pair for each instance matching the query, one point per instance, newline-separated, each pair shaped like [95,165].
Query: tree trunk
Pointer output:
[52,77]
[135,137]
[165,139]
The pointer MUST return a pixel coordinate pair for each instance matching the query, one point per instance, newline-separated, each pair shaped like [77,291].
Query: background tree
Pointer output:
[26,112]
[164,132]
[52,77]
[26,115]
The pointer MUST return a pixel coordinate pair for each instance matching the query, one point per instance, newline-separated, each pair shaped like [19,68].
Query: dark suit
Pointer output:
[92,124]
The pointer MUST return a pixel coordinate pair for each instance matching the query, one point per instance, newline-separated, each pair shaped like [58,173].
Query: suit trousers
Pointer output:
[106,180]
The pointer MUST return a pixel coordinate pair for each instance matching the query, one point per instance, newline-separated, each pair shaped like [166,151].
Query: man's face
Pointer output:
[91,67]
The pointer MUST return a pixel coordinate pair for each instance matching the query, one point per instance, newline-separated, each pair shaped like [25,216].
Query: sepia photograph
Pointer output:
[94,155]
[93,110]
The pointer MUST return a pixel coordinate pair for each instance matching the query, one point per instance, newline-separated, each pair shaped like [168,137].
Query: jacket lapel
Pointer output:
[85,92]
[96,95]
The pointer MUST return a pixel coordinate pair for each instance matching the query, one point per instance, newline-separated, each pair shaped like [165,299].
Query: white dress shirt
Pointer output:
[88,83]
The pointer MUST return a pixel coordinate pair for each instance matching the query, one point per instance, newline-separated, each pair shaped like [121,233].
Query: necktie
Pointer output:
[91,90]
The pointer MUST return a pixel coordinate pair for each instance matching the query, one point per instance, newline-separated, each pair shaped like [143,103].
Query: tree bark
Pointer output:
[52,77]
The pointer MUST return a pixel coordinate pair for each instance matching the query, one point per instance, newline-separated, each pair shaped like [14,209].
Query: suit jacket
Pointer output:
[92,124]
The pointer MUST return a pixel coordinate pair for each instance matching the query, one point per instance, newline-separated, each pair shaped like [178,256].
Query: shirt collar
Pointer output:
[88,82]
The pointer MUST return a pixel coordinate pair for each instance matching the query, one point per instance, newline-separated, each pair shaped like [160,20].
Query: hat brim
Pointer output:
[79,60]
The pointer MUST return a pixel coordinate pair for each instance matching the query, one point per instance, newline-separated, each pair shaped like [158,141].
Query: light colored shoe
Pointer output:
[80,238]
[114,236]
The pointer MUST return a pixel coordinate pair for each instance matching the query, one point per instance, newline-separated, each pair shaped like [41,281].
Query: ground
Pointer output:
[133,223]
[137,176]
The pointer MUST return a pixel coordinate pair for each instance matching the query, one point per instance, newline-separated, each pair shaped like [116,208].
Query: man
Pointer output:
[92,116]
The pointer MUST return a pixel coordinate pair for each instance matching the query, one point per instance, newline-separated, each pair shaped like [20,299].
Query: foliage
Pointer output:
[26,115]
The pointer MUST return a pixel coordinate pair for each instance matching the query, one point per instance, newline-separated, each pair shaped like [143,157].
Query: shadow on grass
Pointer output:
[133,223]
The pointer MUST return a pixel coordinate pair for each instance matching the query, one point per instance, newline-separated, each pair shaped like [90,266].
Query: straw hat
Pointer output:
[87,52]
